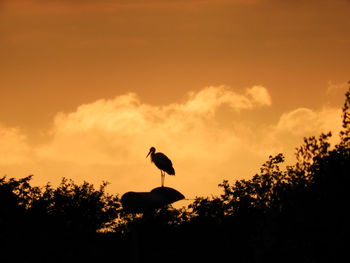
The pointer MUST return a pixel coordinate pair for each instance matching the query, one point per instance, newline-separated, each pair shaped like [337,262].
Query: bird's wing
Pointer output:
[163,159]
[164,163]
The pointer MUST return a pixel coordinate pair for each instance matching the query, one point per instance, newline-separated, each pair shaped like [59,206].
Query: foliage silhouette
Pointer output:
[59,220]
[296,214]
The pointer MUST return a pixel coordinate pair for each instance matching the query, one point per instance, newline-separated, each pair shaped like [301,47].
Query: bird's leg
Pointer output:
[162,175]
[161,178]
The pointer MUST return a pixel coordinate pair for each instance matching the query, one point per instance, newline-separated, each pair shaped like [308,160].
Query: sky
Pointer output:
[88,86]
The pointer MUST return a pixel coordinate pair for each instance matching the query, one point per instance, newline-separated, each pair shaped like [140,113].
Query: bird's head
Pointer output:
[151,150]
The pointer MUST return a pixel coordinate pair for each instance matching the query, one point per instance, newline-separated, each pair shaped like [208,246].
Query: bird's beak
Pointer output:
[148,154]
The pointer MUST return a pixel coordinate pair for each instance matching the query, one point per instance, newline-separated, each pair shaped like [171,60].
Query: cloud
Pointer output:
[118,133]
[260,95]
[305,122]
[208,100]
[13,147]
[299,122]
[110,131]
[107,140]
[296,124]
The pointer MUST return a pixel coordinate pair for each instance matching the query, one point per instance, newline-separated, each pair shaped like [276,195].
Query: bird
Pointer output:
[162,162]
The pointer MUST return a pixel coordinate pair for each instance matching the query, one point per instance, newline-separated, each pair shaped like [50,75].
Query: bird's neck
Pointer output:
[152,156]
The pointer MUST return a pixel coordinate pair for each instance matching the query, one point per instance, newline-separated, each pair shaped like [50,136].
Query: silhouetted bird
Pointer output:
[162,162]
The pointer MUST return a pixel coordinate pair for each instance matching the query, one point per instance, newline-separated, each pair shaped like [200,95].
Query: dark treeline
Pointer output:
[296,214]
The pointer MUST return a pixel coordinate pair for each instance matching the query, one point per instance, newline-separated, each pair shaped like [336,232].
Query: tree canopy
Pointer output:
[298,213]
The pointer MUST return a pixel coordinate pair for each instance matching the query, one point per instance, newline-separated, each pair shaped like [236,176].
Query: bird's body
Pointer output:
[162,162]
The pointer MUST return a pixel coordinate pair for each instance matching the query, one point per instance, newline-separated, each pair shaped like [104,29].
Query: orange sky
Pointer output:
[88,86]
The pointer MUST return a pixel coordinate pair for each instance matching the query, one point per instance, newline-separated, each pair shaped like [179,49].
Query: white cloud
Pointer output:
[293,126]
[13,146]
[299,122]
[306,122]
[209,99]
[260,95]
[109,140]
[108,130]
[118,133]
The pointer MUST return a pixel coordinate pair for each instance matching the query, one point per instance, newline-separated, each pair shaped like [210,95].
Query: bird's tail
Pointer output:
[171,171]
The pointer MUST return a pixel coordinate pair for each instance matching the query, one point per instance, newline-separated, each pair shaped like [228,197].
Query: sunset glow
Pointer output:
[87,87]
